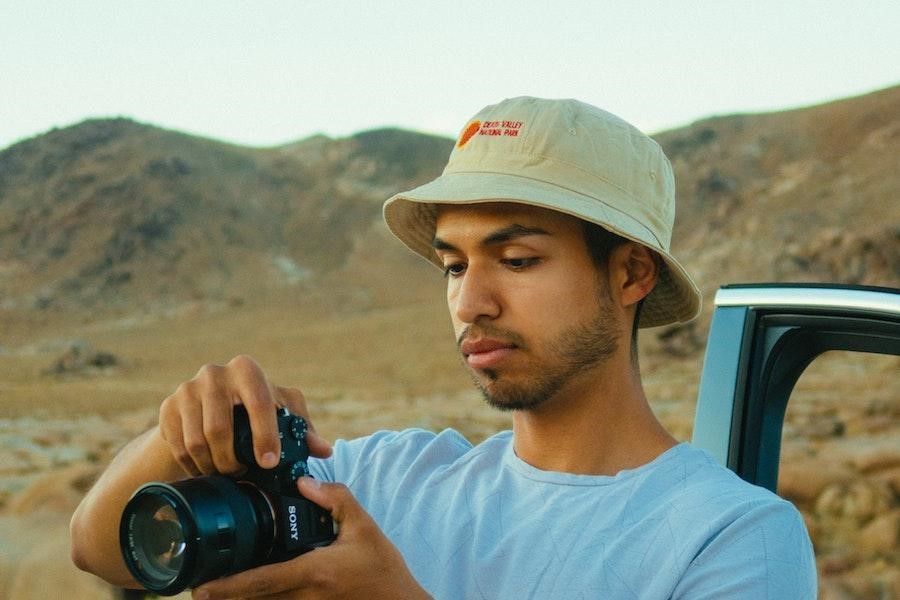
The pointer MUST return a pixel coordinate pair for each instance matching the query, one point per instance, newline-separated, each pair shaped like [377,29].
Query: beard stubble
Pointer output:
[571,353]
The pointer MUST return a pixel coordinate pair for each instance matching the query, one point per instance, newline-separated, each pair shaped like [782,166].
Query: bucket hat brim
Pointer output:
[411,215]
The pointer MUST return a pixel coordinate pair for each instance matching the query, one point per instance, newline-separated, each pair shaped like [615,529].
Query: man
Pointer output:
[552,224]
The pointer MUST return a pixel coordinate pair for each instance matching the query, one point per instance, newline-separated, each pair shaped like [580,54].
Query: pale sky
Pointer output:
[266,73]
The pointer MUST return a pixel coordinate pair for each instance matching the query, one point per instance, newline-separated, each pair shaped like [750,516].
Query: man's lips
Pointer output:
[484,353]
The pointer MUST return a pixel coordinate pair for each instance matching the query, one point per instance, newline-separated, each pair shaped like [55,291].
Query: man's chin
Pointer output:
[506,397]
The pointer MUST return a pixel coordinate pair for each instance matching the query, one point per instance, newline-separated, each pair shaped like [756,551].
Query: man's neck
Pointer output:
[599,424]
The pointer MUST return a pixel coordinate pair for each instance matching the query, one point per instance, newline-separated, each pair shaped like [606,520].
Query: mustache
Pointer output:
[486,330]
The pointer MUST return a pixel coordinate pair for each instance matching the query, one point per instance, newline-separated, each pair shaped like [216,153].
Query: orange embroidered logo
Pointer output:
[490,129]
[471,129]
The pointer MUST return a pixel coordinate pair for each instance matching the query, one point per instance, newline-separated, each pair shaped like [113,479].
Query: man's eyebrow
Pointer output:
[512,232]
[439,244]
[500,236]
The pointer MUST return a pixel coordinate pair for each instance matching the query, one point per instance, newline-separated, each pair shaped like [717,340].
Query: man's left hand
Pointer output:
[361,563]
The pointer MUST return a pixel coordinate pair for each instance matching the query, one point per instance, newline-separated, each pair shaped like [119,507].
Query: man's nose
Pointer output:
[476,295]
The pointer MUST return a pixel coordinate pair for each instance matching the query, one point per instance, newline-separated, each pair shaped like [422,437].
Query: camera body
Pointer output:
[301,524]
[179,535]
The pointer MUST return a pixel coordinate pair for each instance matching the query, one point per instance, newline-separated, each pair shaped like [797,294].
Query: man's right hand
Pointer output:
[195,436]
[197,421]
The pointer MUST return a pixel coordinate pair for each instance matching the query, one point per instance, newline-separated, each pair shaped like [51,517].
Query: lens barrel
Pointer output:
[179,535]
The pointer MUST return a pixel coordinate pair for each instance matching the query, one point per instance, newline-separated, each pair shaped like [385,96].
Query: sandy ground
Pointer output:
[364,369]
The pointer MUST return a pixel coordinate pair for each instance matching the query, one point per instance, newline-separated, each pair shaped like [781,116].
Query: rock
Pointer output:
[891,478]
[878,423]
[57,491]
[838,562]
[876,579]
[857,502]
[33,579]
[812,528]
[825,427]
[888,584]
[844,256]
[830,588]
[682,339]
[79,357]
[882,534]
[803,480]
[877,460]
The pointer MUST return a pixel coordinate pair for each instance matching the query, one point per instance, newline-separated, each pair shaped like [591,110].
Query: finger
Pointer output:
[288,595]
[318,446]
[256,395]
[295,575]
[194,437]
[337,499]
[170,429]
[218,429]
[295,401]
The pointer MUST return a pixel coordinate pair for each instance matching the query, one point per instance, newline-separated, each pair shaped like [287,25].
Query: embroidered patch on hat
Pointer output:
[500,128]
[490,129]
[470,130]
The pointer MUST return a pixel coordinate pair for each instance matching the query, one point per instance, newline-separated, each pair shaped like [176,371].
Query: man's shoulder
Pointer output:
[750,536]
[694,475]
[412,439]
[409,451]
[695,487]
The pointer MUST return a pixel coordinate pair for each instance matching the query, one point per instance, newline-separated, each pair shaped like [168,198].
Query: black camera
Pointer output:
[178,535]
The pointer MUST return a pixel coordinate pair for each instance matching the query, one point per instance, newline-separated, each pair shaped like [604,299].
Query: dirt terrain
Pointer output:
[391,368]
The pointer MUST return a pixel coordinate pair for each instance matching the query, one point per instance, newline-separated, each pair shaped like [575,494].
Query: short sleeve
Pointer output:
[764,553]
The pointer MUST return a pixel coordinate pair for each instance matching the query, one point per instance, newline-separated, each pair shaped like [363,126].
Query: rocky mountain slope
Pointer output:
[115,215]
[805,195]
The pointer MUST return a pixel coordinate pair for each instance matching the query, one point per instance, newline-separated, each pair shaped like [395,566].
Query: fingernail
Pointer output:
[269,460]
[201,595]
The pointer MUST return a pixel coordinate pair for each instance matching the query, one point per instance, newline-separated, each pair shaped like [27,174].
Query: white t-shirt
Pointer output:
[478,522]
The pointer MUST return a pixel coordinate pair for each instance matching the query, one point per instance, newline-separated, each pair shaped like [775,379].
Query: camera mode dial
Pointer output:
[298,427]
[299,469]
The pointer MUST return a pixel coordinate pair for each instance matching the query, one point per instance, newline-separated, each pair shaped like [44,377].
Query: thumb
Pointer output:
[336,498]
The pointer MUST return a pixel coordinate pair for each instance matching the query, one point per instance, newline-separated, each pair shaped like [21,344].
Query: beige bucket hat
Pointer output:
[568,156]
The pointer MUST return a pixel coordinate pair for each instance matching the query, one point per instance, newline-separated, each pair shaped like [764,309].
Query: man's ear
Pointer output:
[635,269]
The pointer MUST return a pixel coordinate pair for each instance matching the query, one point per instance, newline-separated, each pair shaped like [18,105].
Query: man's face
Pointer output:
[531,312]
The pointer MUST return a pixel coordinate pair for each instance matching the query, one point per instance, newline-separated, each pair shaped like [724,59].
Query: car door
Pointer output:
[761,339]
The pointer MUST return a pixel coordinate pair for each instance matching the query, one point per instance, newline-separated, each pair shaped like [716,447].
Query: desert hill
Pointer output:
[114,215]
[805,195]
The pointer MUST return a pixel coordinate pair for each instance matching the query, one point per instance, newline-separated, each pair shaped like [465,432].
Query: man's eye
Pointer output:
[454,269]
[520,263]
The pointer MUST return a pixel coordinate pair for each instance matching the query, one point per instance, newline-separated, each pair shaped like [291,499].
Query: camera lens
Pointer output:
[160,538]
[179,535]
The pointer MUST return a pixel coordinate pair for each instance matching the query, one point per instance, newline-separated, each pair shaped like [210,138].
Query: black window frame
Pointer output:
[762,337]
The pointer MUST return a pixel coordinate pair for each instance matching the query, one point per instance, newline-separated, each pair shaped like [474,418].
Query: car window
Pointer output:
[840,464]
